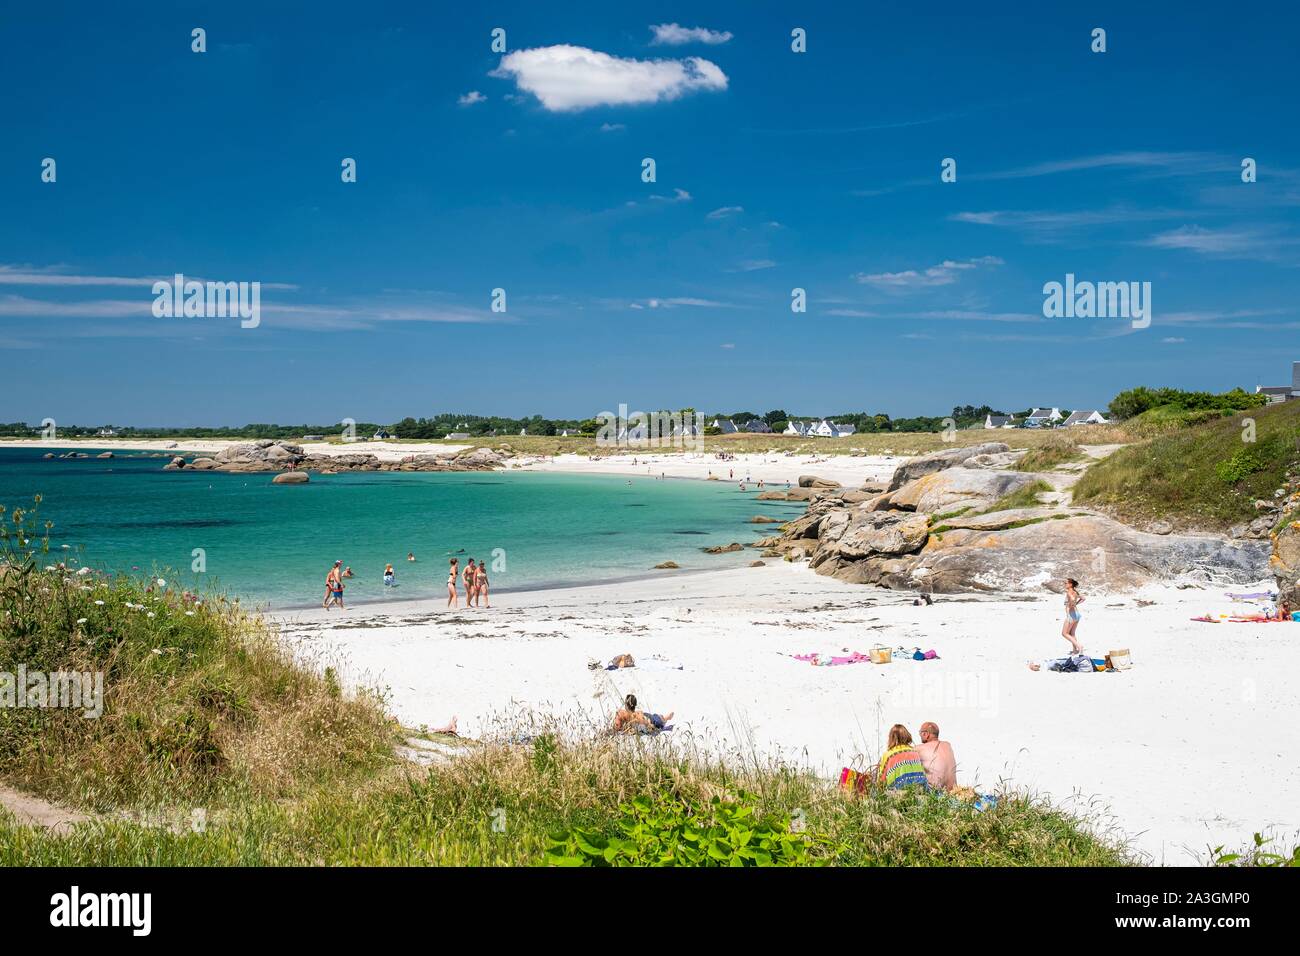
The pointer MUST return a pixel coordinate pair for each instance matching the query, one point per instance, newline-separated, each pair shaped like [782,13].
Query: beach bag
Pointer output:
[853,781]
[1119,660]
[881,654]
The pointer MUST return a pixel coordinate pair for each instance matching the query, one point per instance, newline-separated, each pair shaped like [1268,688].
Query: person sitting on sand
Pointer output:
[937,757]
[631,720]
[901,766]
[1072,601]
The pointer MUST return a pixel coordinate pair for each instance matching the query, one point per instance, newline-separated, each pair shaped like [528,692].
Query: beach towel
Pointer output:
[827,660]
[901,767]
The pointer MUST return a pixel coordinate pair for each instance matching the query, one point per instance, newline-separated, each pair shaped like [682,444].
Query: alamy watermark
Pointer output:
[1098,300]
[67,690]
[650,429]
[184,298]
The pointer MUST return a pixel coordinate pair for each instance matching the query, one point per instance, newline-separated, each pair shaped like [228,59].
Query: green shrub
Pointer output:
[670,831]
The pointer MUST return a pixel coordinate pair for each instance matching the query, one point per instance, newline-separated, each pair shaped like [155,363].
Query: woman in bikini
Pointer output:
[451,584]
[483,583]
[470,577]
[1072,601]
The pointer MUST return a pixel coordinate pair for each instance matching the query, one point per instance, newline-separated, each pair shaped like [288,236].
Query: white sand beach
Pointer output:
[773,468]
[1191,748]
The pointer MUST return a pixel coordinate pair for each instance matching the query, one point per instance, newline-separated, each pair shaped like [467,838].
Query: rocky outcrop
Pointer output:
[1283,514]
[291,478]
[936,532]
[812,481]
[915,468]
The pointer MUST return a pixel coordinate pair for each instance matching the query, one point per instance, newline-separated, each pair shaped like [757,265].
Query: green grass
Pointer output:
[500,805]
[1025,497]
[1057,448]
[1202,475]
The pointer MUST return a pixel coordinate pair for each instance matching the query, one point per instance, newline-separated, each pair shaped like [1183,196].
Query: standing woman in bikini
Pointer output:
[471,578]
[483,583]
[451,584]
[1072,601]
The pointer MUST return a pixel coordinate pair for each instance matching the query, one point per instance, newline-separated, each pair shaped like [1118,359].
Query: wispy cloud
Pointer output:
[470,98]
[679,195]
[726,212]
[567,78]
[753,265]
[60,276]
[612,127]
[672,34]
[945,273]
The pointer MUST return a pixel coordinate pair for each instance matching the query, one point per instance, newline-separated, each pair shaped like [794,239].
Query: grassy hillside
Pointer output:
[215,747]
[1201,473]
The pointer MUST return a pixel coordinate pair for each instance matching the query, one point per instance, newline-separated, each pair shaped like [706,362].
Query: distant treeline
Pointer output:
[1126,404]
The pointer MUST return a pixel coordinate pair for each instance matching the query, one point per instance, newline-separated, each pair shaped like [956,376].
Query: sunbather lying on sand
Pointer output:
[631,720]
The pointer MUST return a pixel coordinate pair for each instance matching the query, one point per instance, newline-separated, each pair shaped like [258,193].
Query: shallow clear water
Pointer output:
[274,543]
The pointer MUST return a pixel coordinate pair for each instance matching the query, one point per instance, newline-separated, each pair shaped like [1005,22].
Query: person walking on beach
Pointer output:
[451,584]
[1072,601]
[483,583]
[334,586]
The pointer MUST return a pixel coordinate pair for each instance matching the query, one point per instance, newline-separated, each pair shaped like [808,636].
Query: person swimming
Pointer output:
[410,556]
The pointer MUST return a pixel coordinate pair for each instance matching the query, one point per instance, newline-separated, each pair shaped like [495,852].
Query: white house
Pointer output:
[456,435]
[725,425]
[829,429]
[1043,418]
[796,428]
[105,433]
[381,434]
[1086,416]
[1000,421]
[1283,393]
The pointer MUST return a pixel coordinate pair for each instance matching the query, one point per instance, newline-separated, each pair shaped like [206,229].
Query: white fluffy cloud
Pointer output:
[673,34]
[472,97]
[566,78]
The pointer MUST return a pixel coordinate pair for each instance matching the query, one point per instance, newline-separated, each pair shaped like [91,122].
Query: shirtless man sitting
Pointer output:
[937,758]
[630,720]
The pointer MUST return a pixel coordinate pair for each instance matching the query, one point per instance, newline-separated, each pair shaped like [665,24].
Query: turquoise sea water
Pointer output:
[274,543]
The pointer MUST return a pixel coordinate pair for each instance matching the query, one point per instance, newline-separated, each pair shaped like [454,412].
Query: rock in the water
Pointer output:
[724,548]
[938,461]
[291,478]
[667,566]
[48,454]
[772,496]
[757,564]
[105,454]
[176,464]
[812,481]
[763,519]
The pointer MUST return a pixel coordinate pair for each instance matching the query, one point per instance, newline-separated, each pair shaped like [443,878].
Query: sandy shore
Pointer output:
[773,468]
[1193,747]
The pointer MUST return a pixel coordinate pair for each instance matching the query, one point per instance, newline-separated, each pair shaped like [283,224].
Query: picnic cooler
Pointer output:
[881,655]
[1119,660]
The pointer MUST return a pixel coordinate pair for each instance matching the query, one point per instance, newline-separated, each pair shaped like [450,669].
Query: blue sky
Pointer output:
[775,170]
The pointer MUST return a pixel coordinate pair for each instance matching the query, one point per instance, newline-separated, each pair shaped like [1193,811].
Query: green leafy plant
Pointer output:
[1241,465]
[671,831]
[1256,856]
